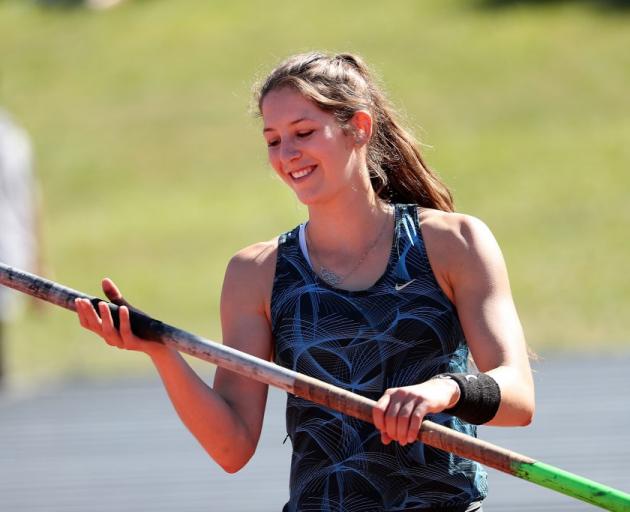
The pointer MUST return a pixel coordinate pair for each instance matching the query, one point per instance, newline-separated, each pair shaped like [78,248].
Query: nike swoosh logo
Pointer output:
[399,287]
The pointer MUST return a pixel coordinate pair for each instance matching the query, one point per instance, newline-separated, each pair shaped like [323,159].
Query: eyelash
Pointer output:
[301,135]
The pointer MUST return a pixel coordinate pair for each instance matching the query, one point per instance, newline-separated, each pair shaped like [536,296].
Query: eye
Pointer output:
[273,142]
[304,133]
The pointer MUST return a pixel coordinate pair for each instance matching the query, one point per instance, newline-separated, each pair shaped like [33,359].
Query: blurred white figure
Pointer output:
[18,214]
[102,4]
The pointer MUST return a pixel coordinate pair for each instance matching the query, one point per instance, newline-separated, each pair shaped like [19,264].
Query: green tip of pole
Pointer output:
[573,485]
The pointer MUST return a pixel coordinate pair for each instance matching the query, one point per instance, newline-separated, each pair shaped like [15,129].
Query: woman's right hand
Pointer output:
[103,324]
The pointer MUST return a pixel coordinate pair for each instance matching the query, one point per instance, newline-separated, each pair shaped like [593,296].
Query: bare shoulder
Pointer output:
[457,232]
[255,259]
[459,247]
[249,275]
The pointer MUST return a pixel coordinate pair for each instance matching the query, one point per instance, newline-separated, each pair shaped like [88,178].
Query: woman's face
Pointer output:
[308,148]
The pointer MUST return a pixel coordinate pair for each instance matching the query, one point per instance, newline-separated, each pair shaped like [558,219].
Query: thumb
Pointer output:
[113,293]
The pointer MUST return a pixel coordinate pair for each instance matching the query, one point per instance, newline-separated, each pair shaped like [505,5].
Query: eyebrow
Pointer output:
[290,124]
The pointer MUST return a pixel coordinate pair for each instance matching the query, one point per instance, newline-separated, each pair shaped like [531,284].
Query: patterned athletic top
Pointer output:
[401,331]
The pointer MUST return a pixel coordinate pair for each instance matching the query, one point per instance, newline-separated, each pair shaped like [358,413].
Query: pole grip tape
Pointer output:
[142,325]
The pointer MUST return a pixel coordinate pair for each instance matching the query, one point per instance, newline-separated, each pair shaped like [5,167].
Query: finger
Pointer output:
[81,315]
[378,411]
[415,423]
[391,417]
[404,415]
[112,292]
[125,325]
[385,439]
[110,333]
[88,316]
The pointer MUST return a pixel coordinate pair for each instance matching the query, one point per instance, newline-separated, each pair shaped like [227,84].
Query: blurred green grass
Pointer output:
[154,173]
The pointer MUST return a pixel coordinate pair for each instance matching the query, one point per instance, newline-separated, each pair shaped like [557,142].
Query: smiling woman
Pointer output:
[306,144]
[381,291]
[343,88]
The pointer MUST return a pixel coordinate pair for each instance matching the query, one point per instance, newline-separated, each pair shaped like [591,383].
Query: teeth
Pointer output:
[301,173]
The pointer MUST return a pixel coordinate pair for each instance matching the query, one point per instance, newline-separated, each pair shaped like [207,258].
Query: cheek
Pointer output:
[276,164]
[273,160]
[338,145]
[329,135]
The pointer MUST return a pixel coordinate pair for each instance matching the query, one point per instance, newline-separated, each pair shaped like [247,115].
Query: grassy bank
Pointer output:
[153,171]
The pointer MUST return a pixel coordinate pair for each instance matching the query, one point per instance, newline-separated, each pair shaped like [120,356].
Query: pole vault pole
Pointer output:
[330,396]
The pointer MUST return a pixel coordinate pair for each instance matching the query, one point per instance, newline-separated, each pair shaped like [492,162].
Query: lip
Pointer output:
[302,172]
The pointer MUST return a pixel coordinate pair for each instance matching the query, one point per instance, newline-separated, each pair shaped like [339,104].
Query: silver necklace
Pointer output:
[334,279]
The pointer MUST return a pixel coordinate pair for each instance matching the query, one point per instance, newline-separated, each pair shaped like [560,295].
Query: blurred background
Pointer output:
[152,170]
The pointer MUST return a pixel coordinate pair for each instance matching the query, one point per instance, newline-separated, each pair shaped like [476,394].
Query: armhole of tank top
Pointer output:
[424,254]
[282,241]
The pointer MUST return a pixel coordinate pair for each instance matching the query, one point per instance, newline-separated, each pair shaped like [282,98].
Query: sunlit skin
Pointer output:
[312,154]
[325,165]
[333,183]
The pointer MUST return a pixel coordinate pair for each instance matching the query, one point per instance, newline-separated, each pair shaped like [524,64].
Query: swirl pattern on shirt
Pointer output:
[401,331]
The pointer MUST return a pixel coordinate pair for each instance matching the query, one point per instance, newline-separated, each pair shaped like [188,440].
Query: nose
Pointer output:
[289,152]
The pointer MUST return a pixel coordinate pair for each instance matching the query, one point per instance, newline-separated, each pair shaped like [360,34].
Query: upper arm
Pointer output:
[480,290]
[246,327]
[473,268]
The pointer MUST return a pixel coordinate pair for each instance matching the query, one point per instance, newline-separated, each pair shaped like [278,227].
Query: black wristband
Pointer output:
[479,399]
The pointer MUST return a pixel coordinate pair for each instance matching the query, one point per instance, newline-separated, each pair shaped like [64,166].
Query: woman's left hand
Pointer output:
[399,412]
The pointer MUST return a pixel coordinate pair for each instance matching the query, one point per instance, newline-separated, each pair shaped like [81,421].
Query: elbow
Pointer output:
[515,412]
[527,411]
[514,417]
[235,461]
[526,419]
[232,468]
[529,414]
[520,401]
[530,406]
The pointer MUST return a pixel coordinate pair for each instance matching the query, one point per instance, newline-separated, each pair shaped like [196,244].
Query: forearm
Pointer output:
[517,396]
[208,416]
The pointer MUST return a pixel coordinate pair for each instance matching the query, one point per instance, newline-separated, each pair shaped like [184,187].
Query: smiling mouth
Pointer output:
[301,173]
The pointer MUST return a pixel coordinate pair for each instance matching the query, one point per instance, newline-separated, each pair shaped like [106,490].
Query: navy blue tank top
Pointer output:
[401,331]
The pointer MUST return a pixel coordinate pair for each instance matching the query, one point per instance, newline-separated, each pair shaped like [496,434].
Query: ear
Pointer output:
[361,127]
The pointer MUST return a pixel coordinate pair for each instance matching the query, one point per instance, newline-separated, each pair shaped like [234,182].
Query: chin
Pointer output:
[306,201]
[313,197]
[307,198]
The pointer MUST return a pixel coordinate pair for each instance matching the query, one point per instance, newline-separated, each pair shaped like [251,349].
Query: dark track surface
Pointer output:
[118,446]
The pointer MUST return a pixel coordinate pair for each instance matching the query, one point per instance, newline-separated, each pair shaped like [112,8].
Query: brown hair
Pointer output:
[342,85]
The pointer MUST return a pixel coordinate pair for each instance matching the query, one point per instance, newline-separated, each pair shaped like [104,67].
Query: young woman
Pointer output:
[382,290]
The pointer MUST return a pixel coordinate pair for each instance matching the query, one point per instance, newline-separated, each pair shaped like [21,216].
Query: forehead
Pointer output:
[286,105]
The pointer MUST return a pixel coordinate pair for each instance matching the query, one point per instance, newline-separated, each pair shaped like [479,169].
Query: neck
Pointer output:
[344,227]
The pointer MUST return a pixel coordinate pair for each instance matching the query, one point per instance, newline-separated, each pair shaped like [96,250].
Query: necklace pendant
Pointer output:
[329,277]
